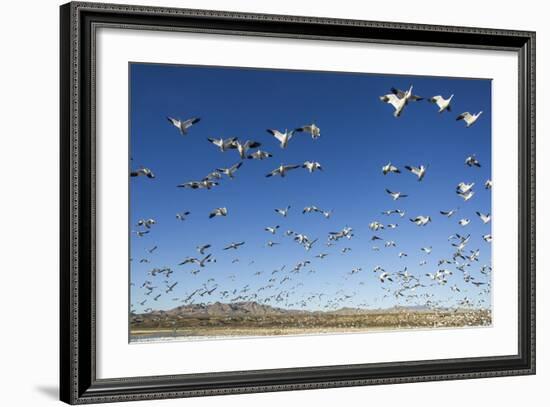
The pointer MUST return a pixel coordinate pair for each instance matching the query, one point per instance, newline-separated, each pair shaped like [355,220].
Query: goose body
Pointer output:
[421,220]
[390,168]
[419,171]
[223,144]
[230,172]
[259,155]
[395,195]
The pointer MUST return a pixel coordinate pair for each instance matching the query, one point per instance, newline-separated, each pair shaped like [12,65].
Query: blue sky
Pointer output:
[358,136]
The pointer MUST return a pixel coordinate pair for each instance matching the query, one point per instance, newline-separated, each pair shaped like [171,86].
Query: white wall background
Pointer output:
[29,161]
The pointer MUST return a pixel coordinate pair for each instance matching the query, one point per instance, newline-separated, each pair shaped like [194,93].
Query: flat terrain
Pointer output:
[159,326]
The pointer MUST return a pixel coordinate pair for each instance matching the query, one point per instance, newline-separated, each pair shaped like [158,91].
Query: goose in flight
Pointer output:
[140,233]
[242,148]
[390,168]
[327,214]
[466,195]
[375,226]
[204,184]
[322,255]
[283,138]
[146,172]
[218,212]
[469,118]
[311,129]
[312,166]
[488,184]
[384,276]
[201,262]
[402,254]
[152,249]
[271,244]
[472,161]
[301,238]
[170,288]
[399,99]
[234,245]
[484,218]
[390,243]
[309,209]
[271,229]
[183,125]
[441,102]
[259,155]
[182,215]
[202,249]
[463,188]
[488,238]
[426,250]
[146,222]
[392,225]
[345,250]
[421,220]
[418,171]
[464,222]
[395,195]
[213,176]
[283,212]
[282,170]
[392,211]
[448,213]
[230,172]
[223,144]
[309,244]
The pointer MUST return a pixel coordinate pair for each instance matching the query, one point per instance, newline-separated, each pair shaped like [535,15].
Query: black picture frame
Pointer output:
[78,382]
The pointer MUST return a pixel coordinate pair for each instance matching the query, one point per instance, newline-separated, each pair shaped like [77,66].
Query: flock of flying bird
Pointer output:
[284,286]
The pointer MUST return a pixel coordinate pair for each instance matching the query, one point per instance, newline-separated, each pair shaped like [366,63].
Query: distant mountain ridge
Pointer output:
[253,308]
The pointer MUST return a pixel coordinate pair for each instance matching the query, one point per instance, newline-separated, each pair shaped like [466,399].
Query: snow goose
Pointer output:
[311,129]
[234,245]
[448,213]
[205,183]
[421,220]
[259,155]
[395,195]
[283,212]
[218,212]
[309,209]
[488,184]
[399,99]
[390,168]
[231,170]
[283,138]
[464,222]
[271,229]
[146,222]
[426,250]
[441,102]
[472,161]
[223,144]
[242,148]
[466,195]
[375,226]
[484,218]
[146,172]
[469,118]
[488,238]
[418,171]
[202,249]
[183,125]
[182,215]
[282,170]
[312,166]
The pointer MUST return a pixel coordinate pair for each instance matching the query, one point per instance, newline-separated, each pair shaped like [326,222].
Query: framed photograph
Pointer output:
[255,203]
